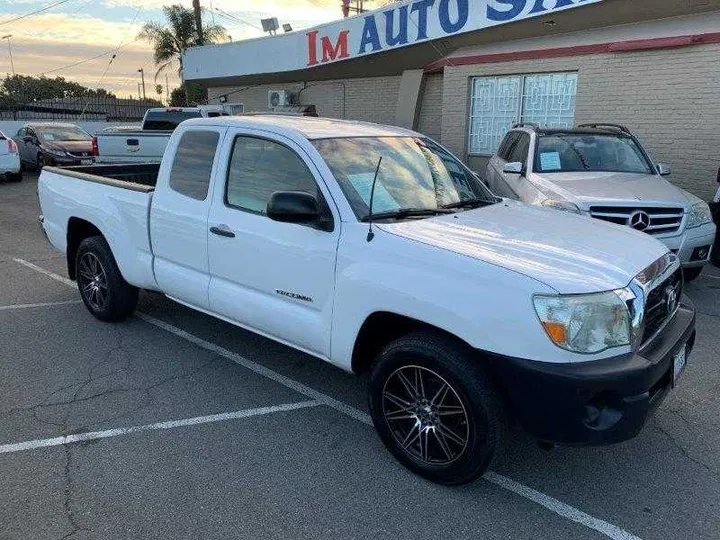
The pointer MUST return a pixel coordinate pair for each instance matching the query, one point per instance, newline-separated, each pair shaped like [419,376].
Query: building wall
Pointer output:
[430,117]
[371,99]
[668,97]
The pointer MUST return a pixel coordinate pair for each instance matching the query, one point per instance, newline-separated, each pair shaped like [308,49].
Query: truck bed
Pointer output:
[135,176]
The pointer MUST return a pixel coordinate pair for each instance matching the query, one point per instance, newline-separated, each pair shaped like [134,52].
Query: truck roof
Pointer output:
[308,127]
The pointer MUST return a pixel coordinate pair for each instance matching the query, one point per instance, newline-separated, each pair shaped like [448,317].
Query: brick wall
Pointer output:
[430,117]
[670,98]
[371,99]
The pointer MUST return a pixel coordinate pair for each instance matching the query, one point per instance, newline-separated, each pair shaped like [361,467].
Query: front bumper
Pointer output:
[600,402]
[690,242]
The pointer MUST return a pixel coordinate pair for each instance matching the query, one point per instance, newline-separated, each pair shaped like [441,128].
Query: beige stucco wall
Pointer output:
[670,98]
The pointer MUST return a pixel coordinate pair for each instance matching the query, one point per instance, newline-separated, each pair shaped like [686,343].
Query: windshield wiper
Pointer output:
[406,213]
[470,203]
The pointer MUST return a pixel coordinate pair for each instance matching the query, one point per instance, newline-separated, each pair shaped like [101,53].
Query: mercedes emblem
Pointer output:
[639,220]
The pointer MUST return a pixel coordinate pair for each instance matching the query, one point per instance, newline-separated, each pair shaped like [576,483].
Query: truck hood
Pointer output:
[589,187]
[570,253]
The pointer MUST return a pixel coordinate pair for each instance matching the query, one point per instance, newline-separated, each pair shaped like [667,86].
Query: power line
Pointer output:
[26,15]
[86,60]
[231,17]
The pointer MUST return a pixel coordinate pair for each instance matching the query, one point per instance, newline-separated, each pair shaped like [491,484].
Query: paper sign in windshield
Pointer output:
[382,202]
[550,161]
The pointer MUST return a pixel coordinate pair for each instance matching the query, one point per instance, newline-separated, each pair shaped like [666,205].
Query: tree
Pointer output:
[192,94]
[26,88]
[171,40]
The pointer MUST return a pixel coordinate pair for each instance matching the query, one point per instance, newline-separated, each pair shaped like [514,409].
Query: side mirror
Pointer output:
[514,167]
[663,169]
[295,207]
[27,138]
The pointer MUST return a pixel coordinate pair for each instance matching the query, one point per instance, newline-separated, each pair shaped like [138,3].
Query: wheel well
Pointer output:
[378,330]
[77,231]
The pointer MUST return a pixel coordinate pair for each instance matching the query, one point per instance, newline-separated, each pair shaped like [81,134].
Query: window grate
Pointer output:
[496,103]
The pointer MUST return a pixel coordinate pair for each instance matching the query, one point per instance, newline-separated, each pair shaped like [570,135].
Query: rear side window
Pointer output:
[259,168]
[190,174]
[167,120]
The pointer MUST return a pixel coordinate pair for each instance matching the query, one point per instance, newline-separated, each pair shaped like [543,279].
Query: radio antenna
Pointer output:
[371,234]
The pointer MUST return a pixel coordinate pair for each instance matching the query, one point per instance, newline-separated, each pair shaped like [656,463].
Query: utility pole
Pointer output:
[198,22]
[142,75]
[139,95]
[12,64]
[167,90]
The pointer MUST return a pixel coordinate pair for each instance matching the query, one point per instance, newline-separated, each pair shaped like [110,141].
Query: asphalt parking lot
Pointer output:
[177,425]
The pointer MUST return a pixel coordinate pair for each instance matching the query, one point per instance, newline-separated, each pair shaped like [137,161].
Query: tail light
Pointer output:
[12,146]
[95,149]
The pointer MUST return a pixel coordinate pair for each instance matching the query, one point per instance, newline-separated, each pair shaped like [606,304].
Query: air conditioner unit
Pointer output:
[278,98]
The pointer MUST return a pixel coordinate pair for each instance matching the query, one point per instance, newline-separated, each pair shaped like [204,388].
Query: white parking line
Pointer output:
[546,501]
[45,304]
[93,435]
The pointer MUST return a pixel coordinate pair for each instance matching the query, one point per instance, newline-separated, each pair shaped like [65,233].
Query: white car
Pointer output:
[373,248]
[602,171]
[9,159]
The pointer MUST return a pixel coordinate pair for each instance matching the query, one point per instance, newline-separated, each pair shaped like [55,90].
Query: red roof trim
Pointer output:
[558,52]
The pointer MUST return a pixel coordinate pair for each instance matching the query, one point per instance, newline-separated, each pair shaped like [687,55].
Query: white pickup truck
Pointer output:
[375,249]
[147,145]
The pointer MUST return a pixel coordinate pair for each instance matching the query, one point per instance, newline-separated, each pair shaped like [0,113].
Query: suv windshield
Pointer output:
[568,152]
[64,133]
[416,176]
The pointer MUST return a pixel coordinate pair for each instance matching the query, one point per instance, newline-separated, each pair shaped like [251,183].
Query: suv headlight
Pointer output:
[699,215]
[565,206]
[586,323]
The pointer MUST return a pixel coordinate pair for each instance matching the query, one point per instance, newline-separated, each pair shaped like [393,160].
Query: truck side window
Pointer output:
[259,168]
[190,174]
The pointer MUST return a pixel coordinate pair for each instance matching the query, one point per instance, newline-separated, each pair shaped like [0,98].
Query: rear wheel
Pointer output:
[15,177]
[436,409]
[104,291]
[39,162]
[691,274]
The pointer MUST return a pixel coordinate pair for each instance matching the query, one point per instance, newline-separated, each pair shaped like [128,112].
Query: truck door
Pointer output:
[178,217]
[273,277]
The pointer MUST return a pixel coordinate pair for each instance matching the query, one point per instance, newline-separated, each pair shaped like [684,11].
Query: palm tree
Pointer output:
[170,41]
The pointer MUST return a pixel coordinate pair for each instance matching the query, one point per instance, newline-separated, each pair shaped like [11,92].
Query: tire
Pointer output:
[39,162]
[102,288]
[454,433]
[691,274]
[15,177]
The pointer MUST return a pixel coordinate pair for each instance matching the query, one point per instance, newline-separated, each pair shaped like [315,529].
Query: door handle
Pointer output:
[222,230]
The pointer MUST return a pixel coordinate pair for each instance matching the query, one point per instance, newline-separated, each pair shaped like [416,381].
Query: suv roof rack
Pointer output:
[600,125]
[526,124]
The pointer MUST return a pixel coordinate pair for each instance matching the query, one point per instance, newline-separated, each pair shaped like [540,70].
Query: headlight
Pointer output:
[699,215]
[588,323]
[566,206]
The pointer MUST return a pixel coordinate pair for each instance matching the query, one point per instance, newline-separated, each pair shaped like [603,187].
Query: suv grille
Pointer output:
[659,307]
[651,220]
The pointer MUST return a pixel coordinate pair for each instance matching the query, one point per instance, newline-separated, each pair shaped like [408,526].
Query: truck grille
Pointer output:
[659,304]
[652,220]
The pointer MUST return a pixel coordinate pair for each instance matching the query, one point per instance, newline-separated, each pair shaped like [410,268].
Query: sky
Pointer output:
[72,31]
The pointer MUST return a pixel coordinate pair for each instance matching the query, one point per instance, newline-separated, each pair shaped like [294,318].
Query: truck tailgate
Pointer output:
[119,210]
[132,146]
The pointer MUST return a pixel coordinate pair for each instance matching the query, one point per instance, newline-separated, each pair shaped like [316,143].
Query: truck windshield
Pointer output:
[417,178]
[566,152]
[167,120]
[63,133]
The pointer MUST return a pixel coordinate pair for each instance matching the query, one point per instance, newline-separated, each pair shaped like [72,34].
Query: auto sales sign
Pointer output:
[400,25]
[420,20]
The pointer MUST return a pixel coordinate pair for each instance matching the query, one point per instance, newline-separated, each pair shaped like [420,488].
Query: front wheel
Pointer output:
[15,177]
[691,274]
[104,291]
[436,409]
